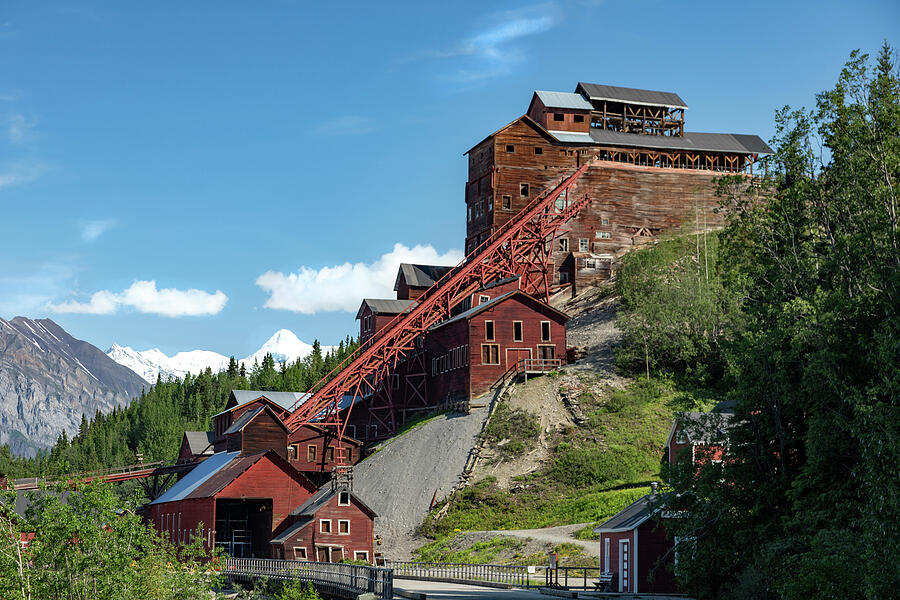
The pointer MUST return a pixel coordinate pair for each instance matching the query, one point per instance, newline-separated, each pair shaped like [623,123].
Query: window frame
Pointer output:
[493,336]
[584,245]
[511,148]
[329,454]
[524,190]
[493,353]
[341,495]
[549,331]
[559,116]
[312,453]
[303,551]
[563,244]
[365,554]
[521,333]
[578,118]
[340,523]
[538,150]
[322,525]
[507,202]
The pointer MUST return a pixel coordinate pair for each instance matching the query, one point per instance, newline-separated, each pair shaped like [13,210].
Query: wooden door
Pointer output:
[323,554]
[624,565]
[514,355]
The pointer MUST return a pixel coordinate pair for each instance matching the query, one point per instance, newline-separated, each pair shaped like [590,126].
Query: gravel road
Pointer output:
[554,535]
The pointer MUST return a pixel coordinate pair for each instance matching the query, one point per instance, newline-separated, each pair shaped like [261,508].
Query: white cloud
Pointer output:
[20,129]
[91,230]
[144,297]
[342,287]
[347,125]
[20,172]
[493,52]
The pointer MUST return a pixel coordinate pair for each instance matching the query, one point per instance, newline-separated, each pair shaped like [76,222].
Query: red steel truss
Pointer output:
[520,247]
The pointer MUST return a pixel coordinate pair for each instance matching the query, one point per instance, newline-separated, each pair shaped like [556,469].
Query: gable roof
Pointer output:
[596,91]
[285,400]
[218,471]
[561,100]
[199,443]
[249,415]
[384,306]
[630,517]
[704,427]
[524,119]
[493,302]
[322,497]
[420,275]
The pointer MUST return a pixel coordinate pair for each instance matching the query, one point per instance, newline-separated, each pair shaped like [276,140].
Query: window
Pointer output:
[563,244]
[469,214]
[578,118]
[681,437]
[483,299]
[583,245]
[510,148]
[606,555]
[325,526]
[604,221]
[563,277]
[343,498]
[490,203]
[559,117]
[523,189]
[489,331]
[311,454]
[330,454]
[299,553]
[603,235]
[517,331]
[546,352]
[545,329]
[490,354]
[507,202]
[343,527]
[292,452]
[590,263]
[538,150]
[361,555]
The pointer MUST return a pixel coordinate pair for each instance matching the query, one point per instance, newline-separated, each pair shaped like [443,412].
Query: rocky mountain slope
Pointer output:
[48,379]
[284,346]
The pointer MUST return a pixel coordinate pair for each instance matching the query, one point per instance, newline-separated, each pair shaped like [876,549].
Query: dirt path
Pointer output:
[563,534]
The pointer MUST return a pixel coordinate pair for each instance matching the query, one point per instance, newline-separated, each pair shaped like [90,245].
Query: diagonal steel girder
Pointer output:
[521,246]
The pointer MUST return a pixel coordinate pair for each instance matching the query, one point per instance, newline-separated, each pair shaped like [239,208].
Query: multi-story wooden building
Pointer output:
[648,174]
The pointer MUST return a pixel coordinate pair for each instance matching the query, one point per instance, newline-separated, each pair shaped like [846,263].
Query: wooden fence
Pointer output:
[333,579]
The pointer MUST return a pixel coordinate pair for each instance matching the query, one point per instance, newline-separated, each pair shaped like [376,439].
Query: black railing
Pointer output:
[334,579]
[579,578]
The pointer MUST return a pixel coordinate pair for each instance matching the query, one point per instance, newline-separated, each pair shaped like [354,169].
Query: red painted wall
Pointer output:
[360,537]
[307,436]
[614,539]
[180,519]
[653,546]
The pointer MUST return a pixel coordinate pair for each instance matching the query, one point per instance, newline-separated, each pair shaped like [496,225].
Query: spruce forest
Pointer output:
[153,425]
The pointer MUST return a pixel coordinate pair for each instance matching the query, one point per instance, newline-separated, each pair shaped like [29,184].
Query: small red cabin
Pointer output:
[561,111]
[413,280]
[635,549]
[470,352]
[375,313]
[240,401]
[699,435]
[333,525]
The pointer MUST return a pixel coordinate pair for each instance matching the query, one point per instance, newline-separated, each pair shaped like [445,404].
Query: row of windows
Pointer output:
[312,453]
[368,322]
[584,244]
[517,331]
[342,529]
[454,359]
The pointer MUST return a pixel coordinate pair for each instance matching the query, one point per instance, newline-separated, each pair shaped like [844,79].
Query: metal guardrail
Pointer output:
[506,575]
[335,579]
[579,578]
[538,365]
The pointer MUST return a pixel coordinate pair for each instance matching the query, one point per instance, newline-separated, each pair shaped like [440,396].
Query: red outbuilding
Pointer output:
[375,313]
[413,280]
[333,525]
[697,436]
[635,549]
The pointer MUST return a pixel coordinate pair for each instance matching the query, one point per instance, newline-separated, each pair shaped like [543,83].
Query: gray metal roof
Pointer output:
[290,531]
[285,400]
[384,306]
[242,421]
[420,275]
[321,498]
[629,517]
[696,141]
[705,427]
[596,91]
[563,100]
[197,476]
[199,442]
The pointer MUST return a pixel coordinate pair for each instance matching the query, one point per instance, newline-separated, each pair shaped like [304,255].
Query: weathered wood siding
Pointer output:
[454,382]
[360,537]
[307,436]
[180,519]
[263,433]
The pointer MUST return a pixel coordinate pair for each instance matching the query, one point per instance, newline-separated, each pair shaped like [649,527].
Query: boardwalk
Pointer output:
[454,591]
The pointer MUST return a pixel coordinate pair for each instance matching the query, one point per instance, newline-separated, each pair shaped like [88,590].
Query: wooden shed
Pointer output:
[333,525]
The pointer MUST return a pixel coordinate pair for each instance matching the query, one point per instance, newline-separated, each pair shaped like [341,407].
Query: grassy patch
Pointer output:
[511,431]
[484,552]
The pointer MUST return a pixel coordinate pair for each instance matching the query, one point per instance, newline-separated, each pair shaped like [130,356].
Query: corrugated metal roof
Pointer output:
[630,95]
[197,476]
[709,142]
[216,482]
[199,442]
[384,306]
[290,531]
[420,275]
[243,420]
[285,400]
[706,427]
[629,517]
[563,100]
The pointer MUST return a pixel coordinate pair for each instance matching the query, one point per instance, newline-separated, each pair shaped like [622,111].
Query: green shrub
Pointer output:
[582,467]
[511,431]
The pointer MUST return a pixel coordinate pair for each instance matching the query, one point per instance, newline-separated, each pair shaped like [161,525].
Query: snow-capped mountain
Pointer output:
[283,346]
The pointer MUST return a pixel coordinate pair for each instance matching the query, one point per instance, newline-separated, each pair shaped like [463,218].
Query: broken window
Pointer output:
[510,148]
[343,527]
[325,525]
[563,244]
[507,202]
[538,150]
[559,117]
[523,189]
[344,499]
[311,453]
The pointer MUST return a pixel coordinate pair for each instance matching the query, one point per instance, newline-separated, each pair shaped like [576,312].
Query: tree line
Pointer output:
[152,425]
[793,312]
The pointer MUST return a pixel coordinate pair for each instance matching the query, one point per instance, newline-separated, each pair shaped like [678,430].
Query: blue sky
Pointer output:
[191,175]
